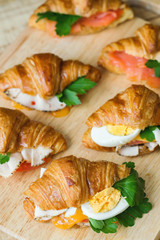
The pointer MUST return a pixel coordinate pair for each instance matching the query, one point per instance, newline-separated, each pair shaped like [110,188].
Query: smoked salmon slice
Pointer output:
[134,68]
[97,20]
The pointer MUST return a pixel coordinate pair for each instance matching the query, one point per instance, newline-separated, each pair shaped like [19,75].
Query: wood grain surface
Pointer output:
[152,5]
[14,16]
[13,219]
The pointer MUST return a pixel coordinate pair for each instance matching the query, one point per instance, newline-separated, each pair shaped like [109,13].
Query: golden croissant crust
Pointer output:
[45,74]
[18,131]
[145,44]
[84,8]
[70,182]
[137,107]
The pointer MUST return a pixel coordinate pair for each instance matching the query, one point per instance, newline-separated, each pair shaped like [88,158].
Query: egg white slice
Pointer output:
[103,138]
[51,104]
[120,207]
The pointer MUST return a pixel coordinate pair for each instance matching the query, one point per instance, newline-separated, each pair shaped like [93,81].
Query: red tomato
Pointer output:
[27,166]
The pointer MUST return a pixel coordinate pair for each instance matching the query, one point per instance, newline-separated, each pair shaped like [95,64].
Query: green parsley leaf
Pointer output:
[130,164]
[106,226]
[70,94]
[81,85]
[110,225]
[4,158]
[148,134]
[132,188]
[154,64]
[96,224]
[127,218]
[69,98]
[64,21]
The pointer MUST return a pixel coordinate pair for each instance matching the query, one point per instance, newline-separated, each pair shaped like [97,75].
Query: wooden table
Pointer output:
[13,18]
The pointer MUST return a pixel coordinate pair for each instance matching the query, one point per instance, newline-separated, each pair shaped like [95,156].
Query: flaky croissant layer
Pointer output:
[110,12]
[45,74]
[70,182]
[19,134]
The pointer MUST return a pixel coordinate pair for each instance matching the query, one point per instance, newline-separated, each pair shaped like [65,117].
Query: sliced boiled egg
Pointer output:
[103,137]
[6,169]
[119,208]
[35,102]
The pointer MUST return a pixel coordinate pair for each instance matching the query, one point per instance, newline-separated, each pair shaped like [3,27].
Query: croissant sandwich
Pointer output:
[130,56]
[25,144]
[60,18]
[75,191]
[127,124]
[47,83]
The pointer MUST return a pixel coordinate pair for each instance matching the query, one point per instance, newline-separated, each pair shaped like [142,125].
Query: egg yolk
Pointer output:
[120,130]
[63,222]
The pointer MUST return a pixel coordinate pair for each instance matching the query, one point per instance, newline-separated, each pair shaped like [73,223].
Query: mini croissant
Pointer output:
[36,82]
[70,182]
[118,124]
[128,56]
[28,143]
[93,15]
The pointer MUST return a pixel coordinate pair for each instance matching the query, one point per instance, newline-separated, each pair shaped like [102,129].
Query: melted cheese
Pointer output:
[35,155]
[35,102]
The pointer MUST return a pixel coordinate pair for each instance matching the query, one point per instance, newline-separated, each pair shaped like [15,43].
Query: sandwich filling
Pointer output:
[63,24]
[126,140]
[30,157]
[125,199]
[134,68]
[35,102]
[58,104]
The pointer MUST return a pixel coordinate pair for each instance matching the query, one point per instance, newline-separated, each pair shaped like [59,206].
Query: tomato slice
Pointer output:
[24,167]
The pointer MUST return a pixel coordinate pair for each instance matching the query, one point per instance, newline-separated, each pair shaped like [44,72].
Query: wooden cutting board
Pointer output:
[13,219]
[152,5]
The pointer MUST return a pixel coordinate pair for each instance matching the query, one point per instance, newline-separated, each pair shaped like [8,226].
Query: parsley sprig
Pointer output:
[148,134]
[64,22]
[154,64]
[132,188]
[4,158]
[79,87]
